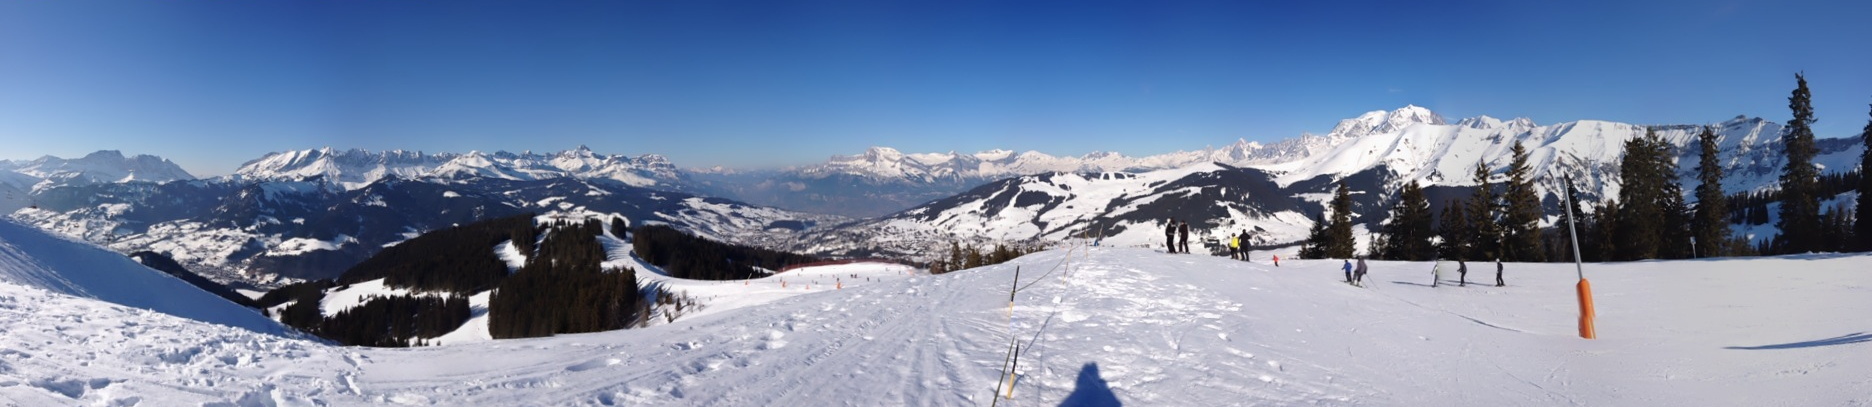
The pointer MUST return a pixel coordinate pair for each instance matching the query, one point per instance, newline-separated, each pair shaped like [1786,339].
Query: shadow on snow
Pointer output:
[1855,337]
[1091,390]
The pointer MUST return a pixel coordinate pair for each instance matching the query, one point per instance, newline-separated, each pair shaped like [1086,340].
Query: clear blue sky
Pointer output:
[211,84]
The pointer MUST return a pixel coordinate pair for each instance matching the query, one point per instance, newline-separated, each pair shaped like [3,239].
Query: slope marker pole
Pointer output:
[1584,289]
[1013,341]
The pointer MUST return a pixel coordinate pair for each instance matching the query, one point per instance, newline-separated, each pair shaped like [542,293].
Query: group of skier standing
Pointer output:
[1172,232]
[1176,240]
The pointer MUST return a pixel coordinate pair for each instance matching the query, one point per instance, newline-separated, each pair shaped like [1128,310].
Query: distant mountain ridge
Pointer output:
[20,179]
[355,168]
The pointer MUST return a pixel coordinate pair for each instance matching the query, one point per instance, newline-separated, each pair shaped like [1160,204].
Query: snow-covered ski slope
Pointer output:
[1134,325]
[36,258]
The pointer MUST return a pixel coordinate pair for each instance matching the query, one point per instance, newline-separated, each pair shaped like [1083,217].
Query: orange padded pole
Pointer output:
[1586,310]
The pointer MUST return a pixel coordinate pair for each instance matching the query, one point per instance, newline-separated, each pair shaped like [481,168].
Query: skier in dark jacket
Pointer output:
[1183,236]
[1170,237]
[1244,247]
[1498,280]
[1462,272]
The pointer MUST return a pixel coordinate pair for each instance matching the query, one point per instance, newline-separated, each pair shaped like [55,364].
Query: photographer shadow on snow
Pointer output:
[1851,338]
[1091,390]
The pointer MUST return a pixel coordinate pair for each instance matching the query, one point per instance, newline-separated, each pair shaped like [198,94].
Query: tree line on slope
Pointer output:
[687,256]
[562,288]
[559,290]
[1646,221]
[458,259]
[962,257]
[163,263]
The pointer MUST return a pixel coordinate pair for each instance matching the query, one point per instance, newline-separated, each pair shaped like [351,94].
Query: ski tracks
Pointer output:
[1156,341]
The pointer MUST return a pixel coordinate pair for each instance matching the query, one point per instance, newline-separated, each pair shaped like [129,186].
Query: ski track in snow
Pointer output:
[1160,329]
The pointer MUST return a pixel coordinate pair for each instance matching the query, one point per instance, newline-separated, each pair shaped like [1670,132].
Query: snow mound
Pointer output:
[31,257]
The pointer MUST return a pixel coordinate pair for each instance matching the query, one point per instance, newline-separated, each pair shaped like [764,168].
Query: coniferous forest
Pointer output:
[393,321]
[460,259]
[686,256]
[561,289]
[564,289]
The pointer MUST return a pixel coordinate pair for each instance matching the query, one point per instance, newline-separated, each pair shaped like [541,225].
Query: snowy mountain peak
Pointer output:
[881,154]
[1380,121]
[1417,114]
[1483,122]
[994,155]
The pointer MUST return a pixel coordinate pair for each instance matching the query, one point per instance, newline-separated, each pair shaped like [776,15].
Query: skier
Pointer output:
[1462,273]
[1170,236]
[1234,248]
[1183,233]
[1276,260]
[1348,271]
[1358,275]
[1433,273]
[1498,280]
[1244,245]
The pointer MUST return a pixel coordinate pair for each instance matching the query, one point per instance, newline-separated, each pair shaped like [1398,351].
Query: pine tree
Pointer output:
[1800,205]
[1835,230]
[1408,235]
[1862,229]
[1582,228]
[1711,223]
[1653,210]
[956,258]
[1485,241]
[1455,231]
[1605,231]
[1315,245]
[1521,226]
[1339,243]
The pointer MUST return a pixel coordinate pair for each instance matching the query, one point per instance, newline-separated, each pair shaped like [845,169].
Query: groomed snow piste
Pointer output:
[1109,324]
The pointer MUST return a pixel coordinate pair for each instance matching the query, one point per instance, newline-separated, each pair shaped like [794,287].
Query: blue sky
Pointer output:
[211,84]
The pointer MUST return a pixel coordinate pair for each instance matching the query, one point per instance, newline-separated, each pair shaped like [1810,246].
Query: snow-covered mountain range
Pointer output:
[1276,190]
[356,168]
[308,204]
[20,179]
[236,229]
